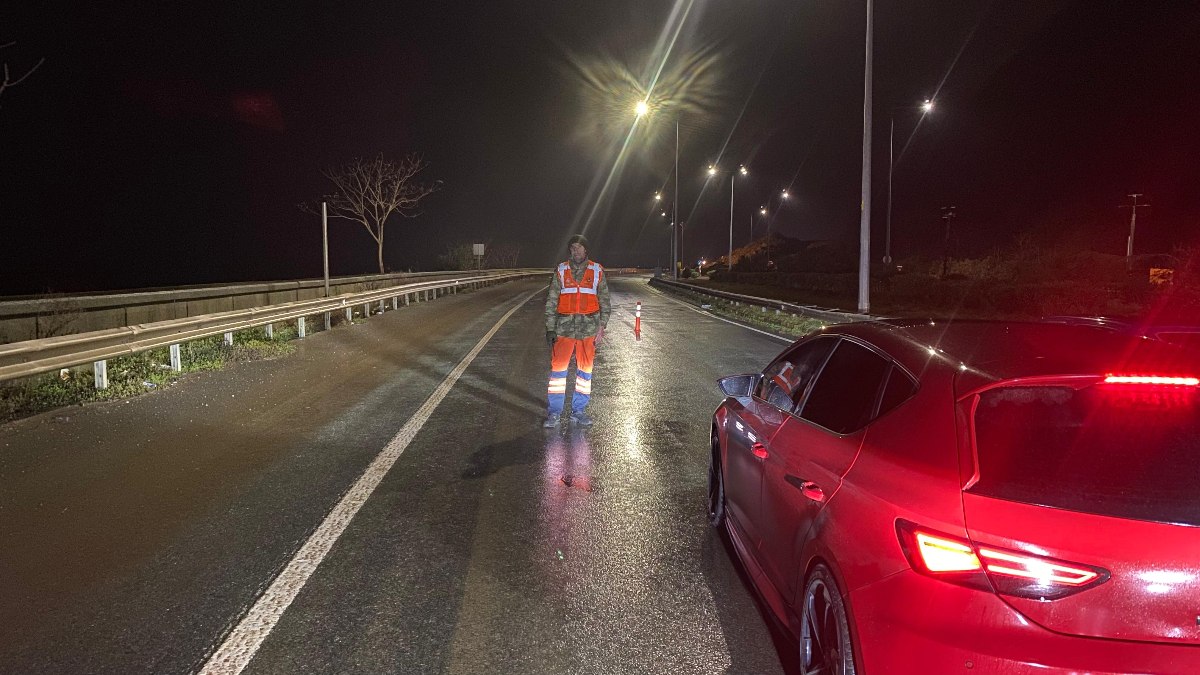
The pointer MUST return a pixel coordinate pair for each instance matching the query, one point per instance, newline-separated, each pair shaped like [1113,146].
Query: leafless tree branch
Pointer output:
[371,191]
[8,81]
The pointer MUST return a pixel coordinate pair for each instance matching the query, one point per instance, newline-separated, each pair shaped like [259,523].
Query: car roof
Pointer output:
[989,351]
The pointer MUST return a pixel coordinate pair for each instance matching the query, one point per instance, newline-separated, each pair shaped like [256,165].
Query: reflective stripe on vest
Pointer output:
[579,297]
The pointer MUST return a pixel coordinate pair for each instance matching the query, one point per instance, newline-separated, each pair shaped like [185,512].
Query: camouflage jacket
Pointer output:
[577,326]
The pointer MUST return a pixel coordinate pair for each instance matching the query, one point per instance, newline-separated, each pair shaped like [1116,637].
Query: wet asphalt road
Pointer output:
[137,534]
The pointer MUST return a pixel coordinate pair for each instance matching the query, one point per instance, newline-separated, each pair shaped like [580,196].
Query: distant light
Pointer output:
[641,108]
[743,170]
[657,196]
[663,213]
[712,170]
[927,105]
[785,194]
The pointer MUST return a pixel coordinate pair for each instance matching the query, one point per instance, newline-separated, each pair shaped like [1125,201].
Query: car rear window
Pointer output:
[1113,450]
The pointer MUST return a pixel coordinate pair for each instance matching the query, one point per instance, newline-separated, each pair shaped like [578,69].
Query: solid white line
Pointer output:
[243,642]
[720,318]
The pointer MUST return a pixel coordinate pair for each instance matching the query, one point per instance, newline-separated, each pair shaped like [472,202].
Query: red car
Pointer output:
[969,497]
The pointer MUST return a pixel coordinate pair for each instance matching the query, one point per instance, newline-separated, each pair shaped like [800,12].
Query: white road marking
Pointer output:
[243,642]
[714,316]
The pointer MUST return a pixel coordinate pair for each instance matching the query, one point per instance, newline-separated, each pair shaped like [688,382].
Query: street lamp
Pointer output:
[926,108]
[712,171]
[783,196]
[641,108]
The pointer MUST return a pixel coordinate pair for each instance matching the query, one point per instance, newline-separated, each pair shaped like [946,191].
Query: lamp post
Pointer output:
[712,171]
[926,108]
[641,108]
[864,223]
[762,210]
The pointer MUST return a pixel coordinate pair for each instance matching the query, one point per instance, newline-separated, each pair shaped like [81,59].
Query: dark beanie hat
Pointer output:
[578,239]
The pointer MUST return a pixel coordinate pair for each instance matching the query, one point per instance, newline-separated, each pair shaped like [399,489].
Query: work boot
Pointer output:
[551,421]
[580,419]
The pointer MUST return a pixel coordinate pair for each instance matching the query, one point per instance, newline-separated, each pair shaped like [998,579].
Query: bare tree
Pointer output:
[458,257]
[8,80]
[370,191]
[501,256]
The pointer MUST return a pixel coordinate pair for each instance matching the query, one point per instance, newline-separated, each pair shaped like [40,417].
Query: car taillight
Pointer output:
[1151,391]
[1156,380]
[1015,573]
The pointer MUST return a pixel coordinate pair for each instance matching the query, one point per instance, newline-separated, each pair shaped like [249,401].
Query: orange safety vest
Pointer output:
[579,297]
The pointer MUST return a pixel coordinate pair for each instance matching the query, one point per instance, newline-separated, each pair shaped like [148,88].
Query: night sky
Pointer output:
[163,145]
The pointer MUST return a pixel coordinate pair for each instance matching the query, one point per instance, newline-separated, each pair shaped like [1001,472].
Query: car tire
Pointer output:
[825,645]
[716,485]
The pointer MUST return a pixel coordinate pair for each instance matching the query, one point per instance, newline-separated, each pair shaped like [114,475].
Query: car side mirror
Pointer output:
[738,385]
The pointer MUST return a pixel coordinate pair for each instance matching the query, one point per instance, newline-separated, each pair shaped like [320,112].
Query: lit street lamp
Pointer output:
[712,171]
[783,196]
[926,108]
[640,109]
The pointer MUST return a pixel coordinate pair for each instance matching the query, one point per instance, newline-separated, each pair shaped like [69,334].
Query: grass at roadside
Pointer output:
[137,374]
[782,323]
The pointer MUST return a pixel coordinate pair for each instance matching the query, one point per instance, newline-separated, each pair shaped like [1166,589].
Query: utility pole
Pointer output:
[1133,207]
[948,214]
[325,243]
[675,208]
[864,225]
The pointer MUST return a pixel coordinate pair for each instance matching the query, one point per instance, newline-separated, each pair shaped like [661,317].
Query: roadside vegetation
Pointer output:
[1026,281]
[780,323]
[137,374]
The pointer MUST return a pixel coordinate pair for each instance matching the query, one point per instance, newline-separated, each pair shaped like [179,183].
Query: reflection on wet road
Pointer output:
[492,545]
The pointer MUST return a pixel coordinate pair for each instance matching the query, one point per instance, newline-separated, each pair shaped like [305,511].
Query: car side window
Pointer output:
[784,381]
[843,397]
[899,388]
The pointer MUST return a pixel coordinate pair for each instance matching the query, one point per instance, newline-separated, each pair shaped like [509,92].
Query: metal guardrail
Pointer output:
[34,317]
[829,315]
[33,357]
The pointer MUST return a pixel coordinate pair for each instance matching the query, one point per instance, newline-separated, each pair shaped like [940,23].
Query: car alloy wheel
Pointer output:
[824,630]
[716,486]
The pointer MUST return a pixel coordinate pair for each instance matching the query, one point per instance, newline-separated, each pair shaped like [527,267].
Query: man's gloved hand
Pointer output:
[551,336]
[599,336]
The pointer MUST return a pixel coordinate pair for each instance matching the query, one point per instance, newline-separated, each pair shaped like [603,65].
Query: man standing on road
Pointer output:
[577,310]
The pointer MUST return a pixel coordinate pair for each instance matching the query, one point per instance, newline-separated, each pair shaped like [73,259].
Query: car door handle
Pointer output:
[806,487]
[759,450]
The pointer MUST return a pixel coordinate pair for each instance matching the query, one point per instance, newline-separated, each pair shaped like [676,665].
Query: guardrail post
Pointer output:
[229,339]
[406,299]
[100,368]
[176,360]
[381,307]
[270,331]
[366,310]
[395,302]
[328,320]
[300,325]
[349,315]
[454,289]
